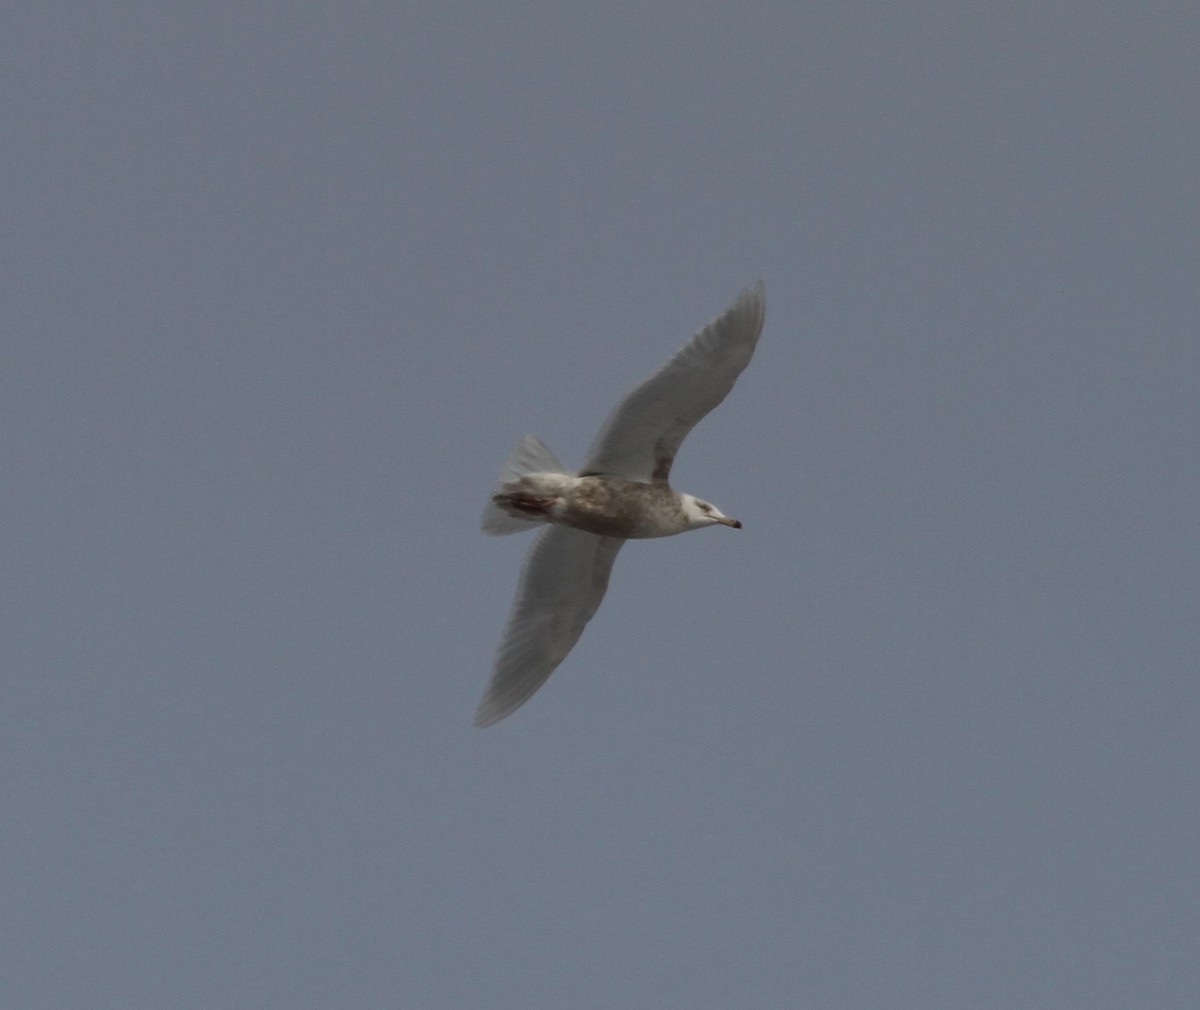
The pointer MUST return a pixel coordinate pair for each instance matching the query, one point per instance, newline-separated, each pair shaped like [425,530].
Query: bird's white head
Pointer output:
[700,513]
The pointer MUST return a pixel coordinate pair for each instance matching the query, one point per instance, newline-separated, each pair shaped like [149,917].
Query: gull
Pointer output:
[622,493]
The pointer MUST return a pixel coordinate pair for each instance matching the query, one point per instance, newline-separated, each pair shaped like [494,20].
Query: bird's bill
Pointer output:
[733,524]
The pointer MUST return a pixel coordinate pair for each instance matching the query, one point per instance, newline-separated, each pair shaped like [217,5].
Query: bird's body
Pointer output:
[622,493]
[605,506]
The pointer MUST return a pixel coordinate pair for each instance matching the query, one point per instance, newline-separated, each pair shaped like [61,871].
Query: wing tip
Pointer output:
[484,719]
[494,707]
[755,299]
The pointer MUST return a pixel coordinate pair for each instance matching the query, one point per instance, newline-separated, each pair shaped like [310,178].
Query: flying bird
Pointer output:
[622,493]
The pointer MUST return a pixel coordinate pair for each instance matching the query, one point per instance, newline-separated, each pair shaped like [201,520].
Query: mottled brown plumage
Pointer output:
[605,506]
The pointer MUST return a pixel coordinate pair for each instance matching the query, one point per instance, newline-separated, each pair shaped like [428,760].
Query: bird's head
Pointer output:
[700,513]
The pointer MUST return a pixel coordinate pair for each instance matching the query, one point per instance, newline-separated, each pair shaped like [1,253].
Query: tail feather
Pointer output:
[530,456]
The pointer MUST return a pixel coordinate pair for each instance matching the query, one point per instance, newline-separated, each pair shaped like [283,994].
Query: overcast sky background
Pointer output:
[282,286]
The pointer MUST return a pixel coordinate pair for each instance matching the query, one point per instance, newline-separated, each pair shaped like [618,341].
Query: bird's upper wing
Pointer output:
[561,586]
[642,435]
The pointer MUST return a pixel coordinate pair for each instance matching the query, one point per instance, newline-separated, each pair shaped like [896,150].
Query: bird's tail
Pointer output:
[530,456]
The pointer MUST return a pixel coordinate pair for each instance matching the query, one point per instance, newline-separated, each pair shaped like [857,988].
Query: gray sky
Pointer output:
[283,284]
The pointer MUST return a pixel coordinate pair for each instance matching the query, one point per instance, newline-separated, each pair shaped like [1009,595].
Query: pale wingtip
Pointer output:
[758,296]
[491,712]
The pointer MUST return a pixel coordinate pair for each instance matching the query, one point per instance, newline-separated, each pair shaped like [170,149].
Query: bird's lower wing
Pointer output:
[561,586]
